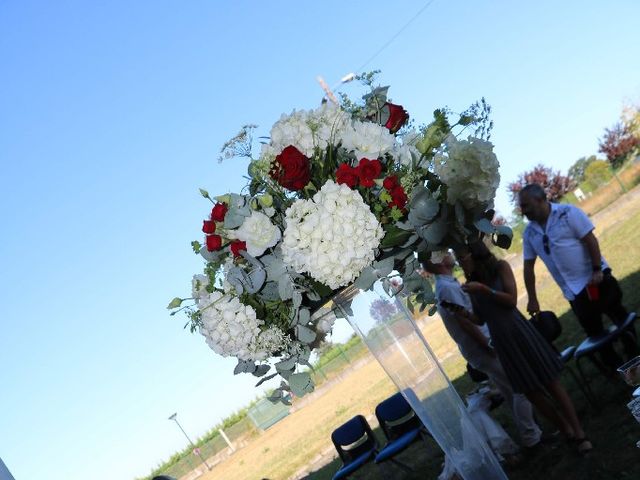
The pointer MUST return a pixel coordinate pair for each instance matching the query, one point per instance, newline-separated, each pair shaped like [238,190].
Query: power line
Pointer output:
[390,41]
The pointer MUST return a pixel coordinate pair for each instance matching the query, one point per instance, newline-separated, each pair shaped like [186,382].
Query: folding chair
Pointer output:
[401,427]
[356,445]
[591,345]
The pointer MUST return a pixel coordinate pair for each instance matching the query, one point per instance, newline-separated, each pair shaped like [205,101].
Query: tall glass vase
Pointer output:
[388,329]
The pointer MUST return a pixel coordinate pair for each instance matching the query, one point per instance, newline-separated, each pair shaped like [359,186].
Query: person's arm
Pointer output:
[593,247]
[508,297]
[474,332]
[530,283]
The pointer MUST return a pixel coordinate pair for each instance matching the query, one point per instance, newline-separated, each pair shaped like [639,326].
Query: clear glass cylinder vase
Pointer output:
[389,330]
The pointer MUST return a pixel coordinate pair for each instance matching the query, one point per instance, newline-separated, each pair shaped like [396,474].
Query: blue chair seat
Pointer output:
[567,353]
[354,465]
[592,344]
[397,445]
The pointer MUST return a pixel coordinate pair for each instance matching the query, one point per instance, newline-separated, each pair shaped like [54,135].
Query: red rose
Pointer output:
[368,171]
[236,246]
[397,117]
[292,169]
[390,183]
[398,198]
[347,174]
[218,212]
[208,226]
[214,242]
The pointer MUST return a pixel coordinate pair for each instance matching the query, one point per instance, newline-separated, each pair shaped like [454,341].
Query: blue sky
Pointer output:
[111,117]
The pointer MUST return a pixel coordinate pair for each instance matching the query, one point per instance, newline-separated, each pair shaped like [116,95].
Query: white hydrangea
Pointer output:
[404,153]
[332,237]
[307,129]
[258,232]
[470,170]
[367,140]
[269,341]
[230,328]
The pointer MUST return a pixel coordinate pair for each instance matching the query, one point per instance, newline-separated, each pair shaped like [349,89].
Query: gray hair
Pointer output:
[533,190]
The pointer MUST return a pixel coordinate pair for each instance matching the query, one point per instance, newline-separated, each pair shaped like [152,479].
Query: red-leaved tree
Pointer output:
[554,183]
[618,142]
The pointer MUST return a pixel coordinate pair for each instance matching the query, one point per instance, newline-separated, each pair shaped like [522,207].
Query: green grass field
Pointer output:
[302,440]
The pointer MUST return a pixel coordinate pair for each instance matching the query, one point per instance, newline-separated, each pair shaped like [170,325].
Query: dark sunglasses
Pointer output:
[545,244]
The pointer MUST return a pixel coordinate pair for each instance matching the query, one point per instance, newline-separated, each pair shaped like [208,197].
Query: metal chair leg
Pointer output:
[585,388]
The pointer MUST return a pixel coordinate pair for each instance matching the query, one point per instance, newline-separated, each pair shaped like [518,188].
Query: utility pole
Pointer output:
[196,450]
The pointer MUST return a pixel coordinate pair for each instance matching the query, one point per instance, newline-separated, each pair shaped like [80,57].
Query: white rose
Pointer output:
[258,233]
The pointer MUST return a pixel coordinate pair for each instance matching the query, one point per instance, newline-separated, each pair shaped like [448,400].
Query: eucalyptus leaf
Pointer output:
[366,279]
[296,297]
[432,310]
[484,225]
[384,267]
[233,219]
[423,208]
[261,370]
[287,364]
[264,379]
[244,366]
[305,334]
[303,316]
[285,287]
[269,292]
[212,257]
[435,232]
[301,384]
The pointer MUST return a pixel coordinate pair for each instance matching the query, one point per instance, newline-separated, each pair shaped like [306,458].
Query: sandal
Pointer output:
[583,444]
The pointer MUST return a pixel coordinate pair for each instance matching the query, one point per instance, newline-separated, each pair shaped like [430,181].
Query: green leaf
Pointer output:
[301,384]
[196,246]
[394,236]
[175,303]
[432,310]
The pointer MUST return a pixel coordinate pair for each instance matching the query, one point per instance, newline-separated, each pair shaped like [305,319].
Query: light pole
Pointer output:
[196,450]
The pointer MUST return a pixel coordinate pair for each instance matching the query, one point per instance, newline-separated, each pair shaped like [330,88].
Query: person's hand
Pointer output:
[596,278]
[475,287]
[533,306]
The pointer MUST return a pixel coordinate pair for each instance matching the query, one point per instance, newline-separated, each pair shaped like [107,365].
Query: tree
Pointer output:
[381,309]
[577,170]
[554,183]
[618,143]
[598,173]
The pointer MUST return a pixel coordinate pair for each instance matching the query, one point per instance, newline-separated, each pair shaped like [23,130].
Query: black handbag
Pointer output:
[547,324]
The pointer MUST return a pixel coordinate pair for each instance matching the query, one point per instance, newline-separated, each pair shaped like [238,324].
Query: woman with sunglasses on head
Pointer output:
[530,363]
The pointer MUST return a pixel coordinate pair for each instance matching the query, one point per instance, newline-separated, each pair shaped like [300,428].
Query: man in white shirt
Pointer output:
[474,344]
[562,236]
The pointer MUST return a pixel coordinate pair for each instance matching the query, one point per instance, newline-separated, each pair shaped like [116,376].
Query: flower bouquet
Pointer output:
[342,195]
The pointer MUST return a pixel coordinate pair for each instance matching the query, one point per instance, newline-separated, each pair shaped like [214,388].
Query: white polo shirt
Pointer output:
[448,289]
[568,259]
